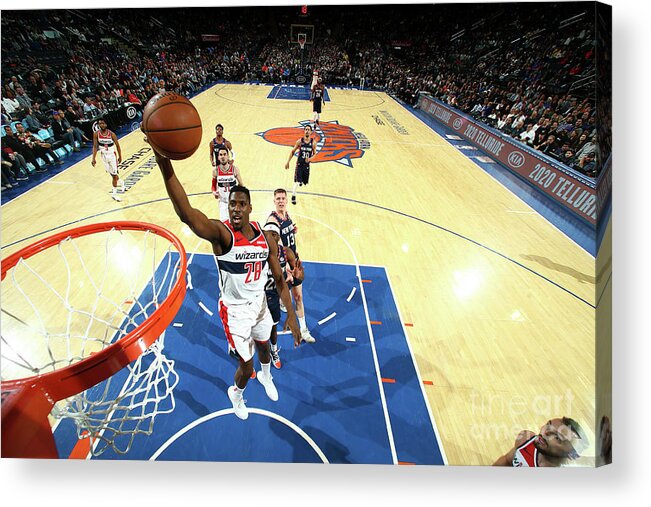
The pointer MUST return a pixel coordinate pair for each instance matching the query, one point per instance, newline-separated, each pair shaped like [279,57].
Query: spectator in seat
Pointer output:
[5,117]
[23,99]
[10,104]
[133,98]
[567,157]
[90,109]
[38,146]
[15,145]
[78,134]
[528,136]
[64,132]
[589,148]
[33,125]
[39,114]
[588,165]
[14,165]
[548,145]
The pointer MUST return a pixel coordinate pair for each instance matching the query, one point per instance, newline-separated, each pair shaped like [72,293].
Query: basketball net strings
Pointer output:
[110,416]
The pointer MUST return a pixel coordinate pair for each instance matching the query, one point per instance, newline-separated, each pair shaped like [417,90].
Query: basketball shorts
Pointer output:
[110,159]
[245,324]
[316,106]
[302,174]
[273,303]
[223,210]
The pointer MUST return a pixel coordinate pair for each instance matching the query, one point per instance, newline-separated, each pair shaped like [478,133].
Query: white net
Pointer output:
[78,297]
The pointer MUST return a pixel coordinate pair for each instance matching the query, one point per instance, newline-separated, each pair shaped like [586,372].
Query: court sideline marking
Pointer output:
[418,375]
[358,273]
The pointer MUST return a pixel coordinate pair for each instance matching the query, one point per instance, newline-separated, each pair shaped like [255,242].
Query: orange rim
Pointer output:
[78,377]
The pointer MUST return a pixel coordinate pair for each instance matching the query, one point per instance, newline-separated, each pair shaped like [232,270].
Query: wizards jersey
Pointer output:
[527,454]
[243,269]
[105,142]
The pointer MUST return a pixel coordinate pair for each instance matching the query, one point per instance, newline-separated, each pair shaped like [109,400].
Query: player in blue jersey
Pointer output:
[293,271]
[288,230]
[306,148]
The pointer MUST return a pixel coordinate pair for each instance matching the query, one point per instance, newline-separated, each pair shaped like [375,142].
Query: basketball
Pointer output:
[172,125]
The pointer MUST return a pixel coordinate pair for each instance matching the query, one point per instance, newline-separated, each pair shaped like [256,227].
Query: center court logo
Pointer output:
[516,159]
[334,142]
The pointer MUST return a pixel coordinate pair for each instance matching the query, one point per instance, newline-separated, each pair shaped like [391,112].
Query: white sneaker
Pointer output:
[122,185]
[306,336]
[268,384]
[238,403]
[116,197]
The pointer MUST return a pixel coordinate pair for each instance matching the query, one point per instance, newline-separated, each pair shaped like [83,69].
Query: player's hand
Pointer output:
[152,146]
[296,332]
[93,163]
[216,194]
[287,165]
[119,159]
[298,272]
[214,164]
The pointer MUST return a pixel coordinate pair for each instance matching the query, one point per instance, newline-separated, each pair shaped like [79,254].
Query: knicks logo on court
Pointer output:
[334,142]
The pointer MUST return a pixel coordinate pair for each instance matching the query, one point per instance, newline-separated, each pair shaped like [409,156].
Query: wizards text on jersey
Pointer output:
[334,142]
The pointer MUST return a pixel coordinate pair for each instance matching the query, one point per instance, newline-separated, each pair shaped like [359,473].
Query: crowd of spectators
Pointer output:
[512,68]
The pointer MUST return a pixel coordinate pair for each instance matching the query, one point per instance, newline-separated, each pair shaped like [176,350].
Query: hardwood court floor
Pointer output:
[501,303]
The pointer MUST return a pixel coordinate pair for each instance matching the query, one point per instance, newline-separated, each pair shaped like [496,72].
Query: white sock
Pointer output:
[295,185]
[238,391]
[274,347]
[301,322]
[121,182]
[115,190]
[266,369]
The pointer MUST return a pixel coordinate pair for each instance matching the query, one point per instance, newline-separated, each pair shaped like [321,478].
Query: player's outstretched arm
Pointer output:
[204,227]
[283,290]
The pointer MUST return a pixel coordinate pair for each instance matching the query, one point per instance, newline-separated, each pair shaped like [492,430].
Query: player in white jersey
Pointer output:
[226,176]
[106,142]
[243,253]
[560,441]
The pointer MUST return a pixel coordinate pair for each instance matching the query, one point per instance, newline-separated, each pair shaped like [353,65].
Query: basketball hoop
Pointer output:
[78,307]
[302,38]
